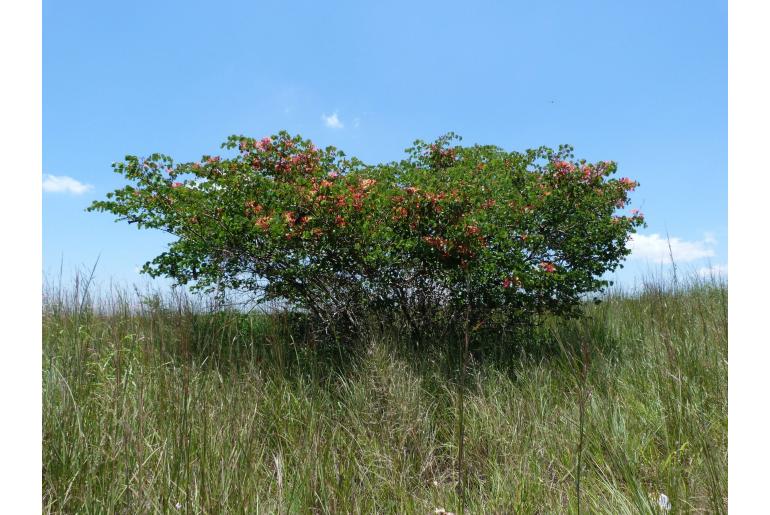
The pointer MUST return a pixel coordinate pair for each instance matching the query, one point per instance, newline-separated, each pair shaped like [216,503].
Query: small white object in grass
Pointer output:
[178,506]
[663,502]
[442,511]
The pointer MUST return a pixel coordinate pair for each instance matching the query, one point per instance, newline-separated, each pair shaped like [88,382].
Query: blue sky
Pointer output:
[643,84]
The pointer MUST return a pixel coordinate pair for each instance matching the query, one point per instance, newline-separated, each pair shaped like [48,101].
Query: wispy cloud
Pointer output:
[655,248]
[64,184]
[332,121]
[713,271]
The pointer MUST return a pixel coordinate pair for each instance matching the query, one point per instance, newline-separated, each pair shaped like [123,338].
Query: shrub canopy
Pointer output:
[511,234]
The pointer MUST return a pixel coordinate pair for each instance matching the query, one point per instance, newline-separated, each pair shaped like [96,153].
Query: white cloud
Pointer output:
[713,271]
[655,248]
[332,121]
[64,184]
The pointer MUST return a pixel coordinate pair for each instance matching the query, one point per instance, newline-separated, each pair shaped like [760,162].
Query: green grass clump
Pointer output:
[153,405]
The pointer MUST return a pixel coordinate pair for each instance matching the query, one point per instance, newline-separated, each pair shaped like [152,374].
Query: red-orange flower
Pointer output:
[400,213]
[548,266]
[263,222]
[367,183]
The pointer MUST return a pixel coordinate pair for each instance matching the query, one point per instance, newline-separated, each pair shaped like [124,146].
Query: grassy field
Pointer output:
[167,406]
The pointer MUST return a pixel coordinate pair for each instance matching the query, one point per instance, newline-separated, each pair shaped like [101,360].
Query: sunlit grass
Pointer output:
[149,406]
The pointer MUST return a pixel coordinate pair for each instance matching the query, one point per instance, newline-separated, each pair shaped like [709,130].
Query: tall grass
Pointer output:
[152,402]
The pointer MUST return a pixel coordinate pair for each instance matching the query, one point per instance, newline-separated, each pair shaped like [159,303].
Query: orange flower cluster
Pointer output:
[548,266]
[263,222]
[400,212]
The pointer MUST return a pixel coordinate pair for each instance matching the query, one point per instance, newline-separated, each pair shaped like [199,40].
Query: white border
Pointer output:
[20,366]
[749,348]
[20,302]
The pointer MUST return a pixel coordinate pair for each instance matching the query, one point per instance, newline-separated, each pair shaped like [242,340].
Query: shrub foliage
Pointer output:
[510,234]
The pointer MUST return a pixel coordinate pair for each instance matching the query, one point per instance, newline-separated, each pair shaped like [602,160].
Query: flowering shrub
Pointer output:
[511,234]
